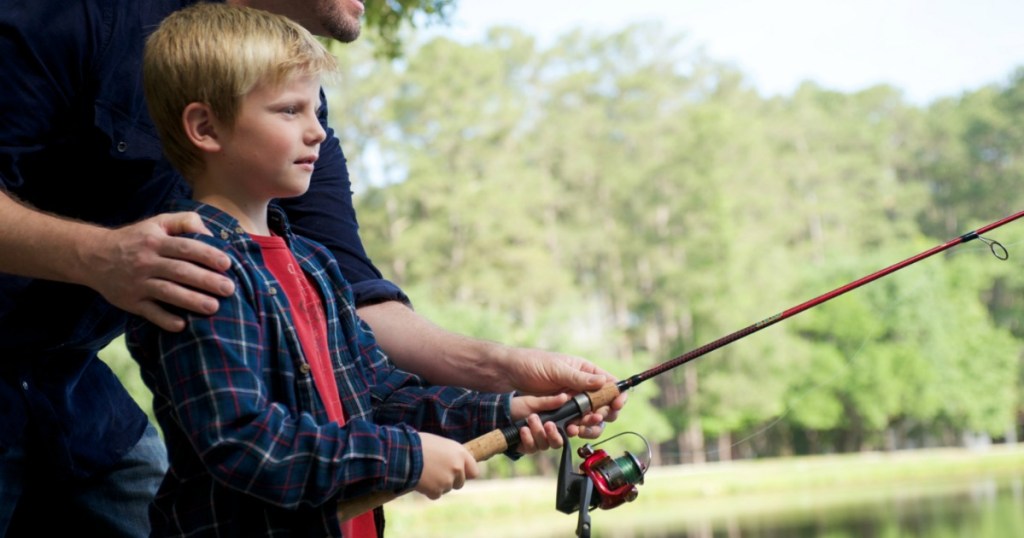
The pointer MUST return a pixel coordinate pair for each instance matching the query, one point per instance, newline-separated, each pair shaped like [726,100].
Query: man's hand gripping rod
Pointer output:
[498,441]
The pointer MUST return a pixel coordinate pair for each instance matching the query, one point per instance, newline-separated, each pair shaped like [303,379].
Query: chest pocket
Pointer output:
[120,105]
[130,132]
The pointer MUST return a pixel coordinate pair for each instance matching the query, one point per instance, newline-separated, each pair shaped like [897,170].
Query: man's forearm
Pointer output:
[445,358]
[39,245]
[441,357]
[139,268]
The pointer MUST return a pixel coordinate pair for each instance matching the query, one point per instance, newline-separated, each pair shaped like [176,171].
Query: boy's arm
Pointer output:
[213,376]
[451,412]
[464,416]
[400,397]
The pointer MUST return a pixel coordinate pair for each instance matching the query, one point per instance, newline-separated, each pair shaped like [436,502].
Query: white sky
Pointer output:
[929,49]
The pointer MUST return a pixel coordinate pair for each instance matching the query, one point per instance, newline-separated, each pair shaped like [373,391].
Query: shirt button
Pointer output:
[304,368]
[224,235]
[24,385]
[272,290]
[122,146]
[239,230]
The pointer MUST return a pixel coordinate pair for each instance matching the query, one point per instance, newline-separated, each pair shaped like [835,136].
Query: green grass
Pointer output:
[672,496]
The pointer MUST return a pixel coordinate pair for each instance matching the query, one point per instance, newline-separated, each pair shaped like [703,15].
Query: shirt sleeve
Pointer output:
[213,377]
[326,214]
[452,412]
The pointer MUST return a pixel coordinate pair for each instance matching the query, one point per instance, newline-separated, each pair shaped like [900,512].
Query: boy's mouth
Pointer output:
[307,163]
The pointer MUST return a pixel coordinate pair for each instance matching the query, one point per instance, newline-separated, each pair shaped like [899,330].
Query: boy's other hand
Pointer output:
[535,371]
[537,436]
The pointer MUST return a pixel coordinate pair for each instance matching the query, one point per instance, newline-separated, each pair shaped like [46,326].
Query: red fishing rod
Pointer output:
[500,440]
[997,250]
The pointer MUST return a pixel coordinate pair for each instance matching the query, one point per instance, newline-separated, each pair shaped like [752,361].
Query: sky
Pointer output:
[929,49]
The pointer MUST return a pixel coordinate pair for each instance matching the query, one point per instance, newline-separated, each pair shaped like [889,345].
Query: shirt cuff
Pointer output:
[404,458]
[368,292]
[494,412]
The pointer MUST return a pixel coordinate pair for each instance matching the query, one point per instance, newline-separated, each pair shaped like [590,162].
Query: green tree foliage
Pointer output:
[387,18]
[625,197]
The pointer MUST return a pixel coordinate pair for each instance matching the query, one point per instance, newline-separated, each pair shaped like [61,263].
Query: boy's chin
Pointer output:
[296,190]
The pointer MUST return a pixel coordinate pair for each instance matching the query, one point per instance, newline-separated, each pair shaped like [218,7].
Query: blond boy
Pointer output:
[280,404]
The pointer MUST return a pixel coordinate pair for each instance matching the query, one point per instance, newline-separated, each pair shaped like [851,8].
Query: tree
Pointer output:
[388,17]
[621,197]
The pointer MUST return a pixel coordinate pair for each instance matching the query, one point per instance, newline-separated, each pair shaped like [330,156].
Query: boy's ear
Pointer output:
[201,127]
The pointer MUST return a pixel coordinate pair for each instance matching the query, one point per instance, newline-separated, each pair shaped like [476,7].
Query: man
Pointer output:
[82,180]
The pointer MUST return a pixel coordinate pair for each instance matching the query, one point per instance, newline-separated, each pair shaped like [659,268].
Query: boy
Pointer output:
[280,404]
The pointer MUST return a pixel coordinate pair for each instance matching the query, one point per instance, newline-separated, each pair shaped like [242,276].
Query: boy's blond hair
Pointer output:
[216,54]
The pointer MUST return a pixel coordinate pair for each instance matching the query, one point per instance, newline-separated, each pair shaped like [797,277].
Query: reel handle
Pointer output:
[489,444]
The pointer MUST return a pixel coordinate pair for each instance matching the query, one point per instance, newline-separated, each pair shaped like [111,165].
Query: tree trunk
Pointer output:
[725,446]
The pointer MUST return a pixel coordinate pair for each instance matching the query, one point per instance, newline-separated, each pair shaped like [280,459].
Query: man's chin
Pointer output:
[345,31]
[346,38]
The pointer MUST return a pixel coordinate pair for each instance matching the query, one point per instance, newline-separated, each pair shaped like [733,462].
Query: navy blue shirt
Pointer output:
[76,140]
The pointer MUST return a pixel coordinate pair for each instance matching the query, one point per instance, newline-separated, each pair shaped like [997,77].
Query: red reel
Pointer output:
[615,479]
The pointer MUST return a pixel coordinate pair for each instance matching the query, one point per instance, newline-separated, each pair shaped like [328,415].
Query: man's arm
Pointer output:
[136,267]
[446,358]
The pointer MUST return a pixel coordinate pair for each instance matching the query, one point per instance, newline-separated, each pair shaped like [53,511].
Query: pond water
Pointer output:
[979,508]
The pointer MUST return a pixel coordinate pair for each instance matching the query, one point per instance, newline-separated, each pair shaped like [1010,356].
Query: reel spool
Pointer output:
[603,482]
[615,479]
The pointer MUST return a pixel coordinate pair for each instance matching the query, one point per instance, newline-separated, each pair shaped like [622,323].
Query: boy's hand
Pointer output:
[446,466]
[535,436]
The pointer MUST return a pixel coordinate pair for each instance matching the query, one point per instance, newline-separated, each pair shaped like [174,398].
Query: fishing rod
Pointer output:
[500,440]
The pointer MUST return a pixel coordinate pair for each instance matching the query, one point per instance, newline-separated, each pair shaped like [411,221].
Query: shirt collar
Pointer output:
[224,226]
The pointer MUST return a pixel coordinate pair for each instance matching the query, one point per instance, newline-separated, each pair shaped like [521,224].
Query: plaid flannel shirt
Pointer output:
[252,451]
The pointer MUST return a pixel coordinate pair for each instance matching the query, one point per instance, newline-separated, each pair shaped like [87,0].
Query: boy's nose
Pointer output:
[316,133]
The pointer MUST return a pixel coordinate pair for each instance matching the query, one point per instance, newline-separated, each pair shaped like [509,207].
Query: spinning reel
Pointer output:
[603,482]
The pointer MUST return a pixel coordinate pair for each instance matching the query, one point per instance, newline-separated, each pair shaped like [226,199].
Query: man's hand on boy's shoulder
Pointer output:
[144,265]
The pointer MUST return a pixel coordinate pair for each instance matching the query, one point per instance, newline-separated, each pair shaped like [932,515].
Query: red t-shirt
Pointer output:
[311,327]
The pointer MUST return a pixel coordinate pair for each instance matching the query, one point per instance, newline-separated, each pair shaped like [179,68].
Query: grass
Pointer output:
[671,496]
